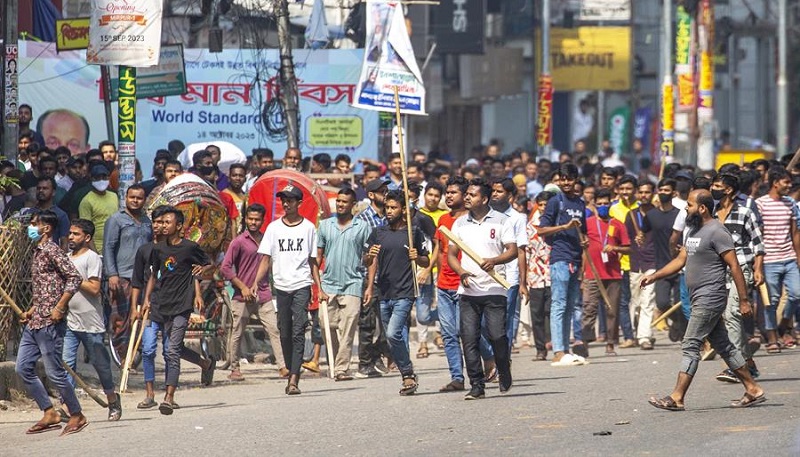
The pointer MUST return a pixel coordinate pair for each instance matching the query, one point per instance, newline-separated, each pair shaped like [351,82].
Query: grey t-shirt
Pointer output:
[705,269]
[86,311]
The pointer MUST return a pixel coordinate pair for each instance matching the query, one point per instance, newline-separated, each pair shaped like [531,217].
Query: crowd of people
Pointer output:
[492,254]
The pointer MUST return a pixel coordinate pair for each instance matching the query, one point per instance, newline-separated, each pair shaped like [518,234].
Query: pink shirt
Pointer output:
[242,260]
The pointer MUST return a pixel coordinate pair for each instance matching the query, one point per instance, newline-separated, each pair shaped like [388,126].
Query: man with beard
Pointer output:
[237,175]
[390,260]
[289,244]
[85,324]
[341,244]
[447,286]
[491,235]
[125,232]
[292,159]
[708,251]
[240,267]
[746,234]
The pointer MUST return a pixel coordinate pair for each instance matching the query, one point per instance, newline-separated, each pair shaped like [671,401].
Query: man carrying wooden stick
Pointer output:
[390,259]
[54,281]
[707,253]
[491,235]
[85,316]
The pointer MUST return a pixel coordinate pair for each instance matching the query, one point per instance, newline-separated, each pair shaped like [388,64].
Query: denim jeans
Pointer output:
[292,323]
[394,315]
[778,275]
[565,292]
[708,323]
[425,315]
[449,315]
[46,343]
[98,356]
[686,305]
[577,318]
[512,314]
[175,331]
[489,310]
[150,346]
[624,307]
[734,323]
[371,334]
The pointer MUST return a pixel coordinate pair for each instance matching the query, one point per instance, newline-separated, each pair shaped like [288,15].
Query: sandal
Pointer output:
[422,353]
[666,403]
[748,400]
[292,389]
[165,408]
[41,427]
[147,403]
[70,429]
[409,388]
[343,377]
[773,348]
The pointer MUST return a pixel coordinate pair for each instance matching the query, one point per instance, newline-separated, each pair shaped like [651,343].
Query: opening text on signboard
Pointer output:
[335,131]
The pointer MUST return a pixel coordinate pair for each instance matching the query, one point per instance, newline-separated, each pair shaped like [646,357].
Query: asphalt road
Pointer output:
[549,411]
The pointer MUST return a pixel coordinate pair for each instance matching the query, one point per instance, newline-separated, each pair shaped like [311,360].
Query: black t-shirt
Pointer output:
[28,180]
[172,265]
[643,257]
[141,274]
[661,223]
[395,278]
[425,223]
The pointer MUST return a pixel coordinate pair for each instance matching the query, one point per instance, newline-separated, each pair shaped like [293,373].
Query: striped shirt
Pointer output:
[777,216]
[343,248]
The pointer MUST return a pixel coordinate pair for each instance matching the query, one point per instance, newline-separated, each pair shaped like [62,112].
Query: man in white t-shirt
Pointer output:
[85,317]
[290,245]
[491,235]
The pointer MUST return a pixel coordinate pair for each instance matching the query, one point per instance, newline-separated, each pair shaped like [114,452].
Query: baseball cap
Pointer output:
[684,175]
[375,184]
[99,169]
[75,161]
[291,191]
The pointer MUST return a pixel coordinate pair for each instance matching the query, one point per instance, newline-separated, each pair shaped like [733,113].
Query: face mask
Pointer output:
[664,198]
[717,195]
[33,233]
[694,221]
[602,211]
[101,186]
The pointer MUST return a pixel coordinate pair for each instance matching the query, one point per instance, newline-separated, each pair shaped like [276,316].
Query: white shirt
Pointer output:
[86,311]
[582,124]
[518,222]
[290,247]
[680,221]
[487,238]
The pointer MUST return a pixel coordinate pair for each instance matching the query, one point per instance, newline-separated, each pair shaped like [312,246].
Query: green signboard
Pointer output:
[165,79]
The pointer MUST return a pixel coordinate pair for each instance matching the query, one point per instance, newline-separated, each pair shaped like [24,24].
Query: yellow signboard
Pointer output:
[72,34]
[589,58]
[740,157]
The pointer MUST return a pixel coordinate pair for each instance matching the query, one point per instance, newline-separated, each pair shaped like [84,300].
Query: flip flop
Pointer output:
[147,403]
[41,427]
[666,403]
[165,408]
[748,400]
[69,430]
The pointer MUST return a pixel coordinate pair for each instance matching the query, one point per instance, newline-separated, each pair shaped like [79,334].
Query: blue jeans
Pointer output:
[686,305]
[778,275]
[708,323]
[512,314]
[47,344]
[149,348]
[565,291]
[394,315]
[449,315]
[577,319]
[624,306]
[425,315]
[98,356]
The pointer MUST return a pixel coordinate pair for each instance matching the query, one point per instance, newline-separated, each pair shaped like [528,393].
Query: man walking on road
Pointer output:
[289,244]
[491,235]
[240,267]
[54,281]
[390,261]
[340,244]
[708,250]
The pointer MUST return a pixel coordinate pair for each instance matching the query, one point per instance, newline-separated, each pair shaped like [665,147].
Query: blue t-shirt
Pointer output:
[566,245]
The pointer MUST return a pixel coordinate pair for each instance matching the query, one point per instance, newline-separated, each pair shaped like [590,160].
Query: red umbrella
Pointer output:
[314,207]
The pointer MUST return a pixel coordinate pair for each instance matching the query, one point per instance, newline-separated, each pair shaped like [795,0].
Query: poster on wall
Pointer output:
[124,32]
[10,67]
[224,101]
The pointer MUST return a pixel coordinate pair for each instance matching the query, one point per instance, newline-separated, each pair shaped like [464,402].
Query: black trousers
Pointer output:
[292,323]
[540,313]
[371,334]
[668,292]
[492,311]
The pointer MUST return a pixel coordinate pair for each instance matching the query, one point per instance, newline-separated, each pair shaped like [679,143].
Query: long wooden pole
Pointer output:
[405,183]
[666,314]
[323,308]
[21,315]
[588,259]
[126,366]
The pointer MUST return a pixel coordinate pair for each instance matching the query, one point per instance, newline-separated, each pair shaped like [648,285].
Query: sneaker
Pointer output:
[505,382]
[476,393]
[371,372]
[207,375]
[236,375]
[381,367]
[115,410]
[728,376]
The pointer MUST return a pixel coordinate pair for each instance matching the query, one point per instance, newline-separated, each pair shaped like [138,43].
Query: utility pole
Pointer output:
[783,137]
[705,105]
[667,96]
[544,102]
[10,87]
[288,81]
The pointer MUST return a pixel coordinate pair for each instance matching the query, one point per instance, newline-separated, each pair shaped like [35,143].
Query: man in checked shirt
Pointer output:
[54,281]
[741,223]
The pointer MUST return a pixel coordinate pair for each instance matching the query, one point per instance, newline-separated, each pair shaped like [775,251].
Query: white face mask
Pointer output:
[101,186]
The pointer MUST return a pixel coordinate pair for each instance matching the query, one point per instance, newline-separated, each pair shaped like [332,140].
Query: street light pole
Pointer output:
[782,102]
[9,114]
[288,86]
